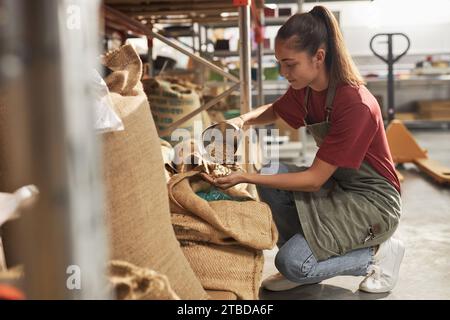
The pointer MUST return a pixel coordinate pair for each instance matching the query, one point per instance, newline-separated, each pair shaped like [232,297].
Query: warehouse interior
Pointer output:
[105,188]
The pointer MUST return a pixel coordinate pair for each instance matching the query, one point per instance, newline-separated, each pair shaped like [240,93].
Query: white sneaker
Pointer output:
[383,274]
[278,282]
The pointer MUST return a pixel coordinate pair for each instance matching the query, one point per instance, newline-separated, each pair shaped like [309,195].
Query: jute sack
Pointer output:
[223,240]
[236,269]
[170,102]
[137,206]
[186,81]
[130,282]
[247,223]
[221,295]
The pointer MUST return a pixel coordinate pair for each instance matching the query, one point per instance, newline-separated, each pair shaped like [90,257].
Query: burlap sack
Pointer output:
[223,240]
[127,71]
[236,269]
[170,102]
[221,295]
[137,206]
[130,282]
[247,223]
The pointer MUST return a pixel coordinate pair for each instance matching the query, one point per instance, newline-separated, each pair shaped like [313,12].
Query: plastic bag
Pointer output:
[106,119]
[10,202]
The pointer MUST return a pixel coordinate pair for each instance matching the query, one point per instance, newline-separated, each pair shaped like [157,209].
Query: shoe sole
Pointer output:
[396,268]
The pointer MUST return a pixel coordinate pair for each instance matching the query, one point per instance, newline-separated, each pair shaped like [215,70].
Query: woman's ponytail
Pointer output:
[309,31]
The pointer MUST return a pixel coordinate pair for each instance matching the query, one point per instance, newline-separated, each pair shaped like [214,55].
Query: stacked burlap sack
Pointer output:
[137,206]
[223,240]
[171,100]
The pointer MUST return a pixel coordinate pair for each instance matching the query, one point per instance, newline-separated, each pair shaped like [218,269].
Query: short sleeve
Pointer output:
[351,133]
[289,107]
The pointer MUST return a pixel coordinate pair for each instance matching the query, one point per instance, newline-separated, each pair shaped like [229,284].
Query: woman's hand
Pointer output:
[238,121]
[225,182]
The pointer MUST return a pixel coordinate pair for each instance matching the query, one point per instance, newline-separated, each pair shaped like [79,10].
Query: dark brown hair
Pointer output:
[318,27]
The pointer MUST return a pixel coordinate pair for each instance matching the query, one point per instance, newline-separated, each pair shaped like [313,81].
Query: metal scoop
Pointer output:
[220,142]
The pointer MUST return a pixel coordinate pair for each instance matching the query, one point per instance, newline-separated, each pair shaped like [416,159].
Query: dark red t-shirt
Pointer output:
[357,131]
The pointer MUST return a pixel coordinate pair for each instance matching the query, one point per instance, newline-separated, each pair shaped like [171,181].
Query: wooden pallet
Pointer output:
[434,109]
[404,148]
[434,169]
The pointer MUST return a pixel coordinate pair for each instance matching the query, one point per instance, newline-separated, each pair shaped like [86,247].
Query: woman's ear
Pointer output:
[319,57]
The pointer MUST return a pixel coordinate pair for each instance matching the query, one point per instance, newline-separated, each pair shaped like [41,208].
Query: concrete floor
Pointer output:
[424,228]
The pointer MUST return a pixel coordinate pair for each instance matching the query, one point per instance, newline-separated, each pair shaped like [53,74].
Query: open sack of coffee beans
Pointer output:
[214,155]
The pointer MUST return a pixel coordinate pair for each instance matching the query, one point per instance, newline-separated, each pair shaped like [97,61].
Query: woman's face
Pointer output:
[299,68]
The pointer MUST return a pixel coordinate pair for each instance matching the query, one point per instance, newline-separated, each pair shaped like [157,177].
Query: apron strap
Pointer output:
[331,92]
[305,104]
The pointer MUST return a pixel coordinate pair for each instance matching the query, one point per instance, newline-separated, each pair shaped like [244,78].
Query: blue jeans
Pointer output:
[295,260]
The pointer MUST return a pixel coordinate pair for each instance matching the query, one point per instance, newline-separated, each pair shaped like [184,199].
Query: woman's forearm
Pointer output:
[296,181]
[260,116]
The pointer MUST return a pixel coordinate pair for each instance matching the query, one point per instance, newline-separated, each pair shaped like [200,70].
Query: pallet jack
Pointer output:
[402,144]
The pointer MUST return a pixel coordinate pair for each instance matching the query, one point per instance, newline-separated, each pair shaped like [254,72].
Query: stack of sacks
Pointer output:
[223,240]
[137,205]
[184,94]
[171,101]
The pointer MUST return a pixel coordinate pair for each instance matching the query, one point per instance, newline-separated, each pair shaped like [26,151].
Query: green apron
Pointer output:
[355,208]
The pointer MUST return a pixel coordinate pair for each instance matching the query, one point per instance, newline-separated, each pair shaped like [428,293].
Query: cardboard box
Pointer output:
[434,109]
[405,116]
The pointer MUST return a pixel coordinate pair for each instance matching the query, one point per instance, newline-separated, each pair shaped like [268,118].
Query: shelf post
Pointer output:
[245,70]
[260,52]
[51,47]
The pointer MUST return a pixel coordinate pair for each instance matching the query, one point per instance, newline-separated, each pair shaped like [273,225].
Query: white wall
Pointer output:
[427,23]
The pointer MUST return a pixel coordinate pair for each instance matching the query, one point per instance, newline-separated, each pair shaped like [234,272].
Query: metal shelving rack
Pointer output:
[139,17]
